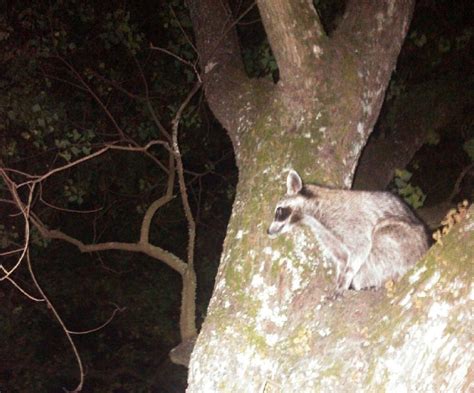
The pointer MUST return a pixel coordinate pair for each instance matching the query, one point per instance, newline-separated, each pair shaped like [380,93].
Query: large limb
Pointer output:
[366,46]
[375,31]
[231,95]
[298,47]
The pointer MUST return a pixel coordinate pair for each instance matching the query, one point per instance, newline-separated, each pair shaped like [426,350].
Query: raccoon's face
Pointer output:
[286,215]
[288,210]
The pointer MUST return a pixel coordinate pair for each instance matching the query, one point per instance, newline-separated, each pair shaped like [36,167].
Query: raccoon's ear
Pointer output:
[294,184]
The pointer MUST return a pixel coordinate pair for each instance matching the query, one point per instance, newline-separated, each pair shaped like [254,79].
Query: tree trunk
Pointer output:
[268,327]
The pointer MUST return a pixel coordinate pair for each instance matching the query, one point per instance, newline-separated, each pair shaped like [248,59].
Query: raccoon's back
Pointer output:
[354,214]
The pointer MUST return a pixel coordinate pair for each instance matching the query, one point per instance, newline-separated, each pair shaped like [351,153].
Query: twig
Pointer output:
[3,254]
[148,102]
[40,178]
[63,209]
[17,286]
[190,42]
[25,211]
[117,309]
[168,52]
[459,180]
[95,96]
[63,326]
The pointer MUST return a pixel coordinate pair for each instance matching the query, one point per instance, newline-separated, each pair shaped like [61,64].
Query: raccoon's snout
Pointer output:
[274,229]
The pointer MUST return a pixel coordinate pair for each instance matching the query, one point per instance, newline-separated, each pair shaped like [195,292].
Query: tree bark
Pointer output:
[268,326]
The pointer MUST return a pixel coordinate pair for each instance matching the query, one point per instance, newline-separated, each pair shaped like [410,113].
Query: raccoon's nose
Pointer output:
[271,233]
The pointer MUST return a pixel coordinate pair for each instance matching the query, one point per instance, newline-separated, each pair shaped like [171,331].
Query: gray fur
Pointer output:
[371,236]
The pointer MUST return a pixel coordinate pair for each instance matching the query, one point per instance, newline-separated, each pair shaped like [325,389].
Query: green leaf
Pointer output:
[469,148]
[76,135]
[403,174]
[66,155]
[75,150]
[444,45]
[432,138]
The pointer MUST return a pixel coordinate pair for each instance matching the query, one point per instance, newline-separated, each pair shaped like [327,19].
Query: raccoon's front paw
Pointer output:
[338,293]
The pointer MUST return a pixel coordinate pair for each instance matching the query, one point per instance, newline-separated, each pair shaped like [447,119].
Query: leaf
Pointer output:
[444,45]
[76,135]
[66,155]
[403,174]
[469,148]
[432,138]
[75,150]
[36,108]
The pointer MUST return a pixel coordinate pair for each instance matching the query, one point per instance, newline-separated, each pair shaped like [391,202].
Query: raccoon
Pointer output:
[372,237]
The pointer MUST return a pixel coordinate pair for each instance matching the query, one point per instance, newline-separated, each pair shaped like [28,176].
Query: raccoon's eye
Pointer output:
[282,213]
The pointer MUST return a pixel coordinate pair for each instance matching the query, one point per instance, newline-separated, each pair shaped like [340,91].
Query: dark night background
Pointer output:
[47,119]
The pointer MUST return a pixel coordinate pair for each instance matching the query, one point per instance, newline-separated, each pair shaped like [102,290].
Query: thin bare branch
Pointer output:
[156,252]
[40,178]
[94,95]
[25,211]
[6,253]
[78,388]
[168,52]
[457,185]
[96,329]
[148,103]
[63,209]
[17,286]
[181,181]
[188,39]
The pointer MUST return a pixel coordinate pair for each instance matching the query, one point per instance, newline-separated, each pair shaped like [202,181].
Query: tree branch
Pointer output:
[160,202]
[297,46]
[146,248]
[231,95]
[375,31]
[25,211]
[101,326]
[63,326]
[181,181]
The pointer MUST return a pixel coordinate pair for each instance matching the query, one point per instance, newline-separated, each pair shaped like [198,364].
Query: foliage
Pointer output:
[469,148]
[413,195]
[260,62]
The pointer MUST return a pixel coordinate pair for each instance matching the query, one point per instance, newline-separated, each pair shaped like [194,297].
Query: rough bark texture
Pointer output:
[268,327]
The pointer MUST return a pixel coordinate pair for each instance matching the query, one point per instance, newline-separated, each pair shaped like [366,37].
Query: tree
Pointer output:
[268,326]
